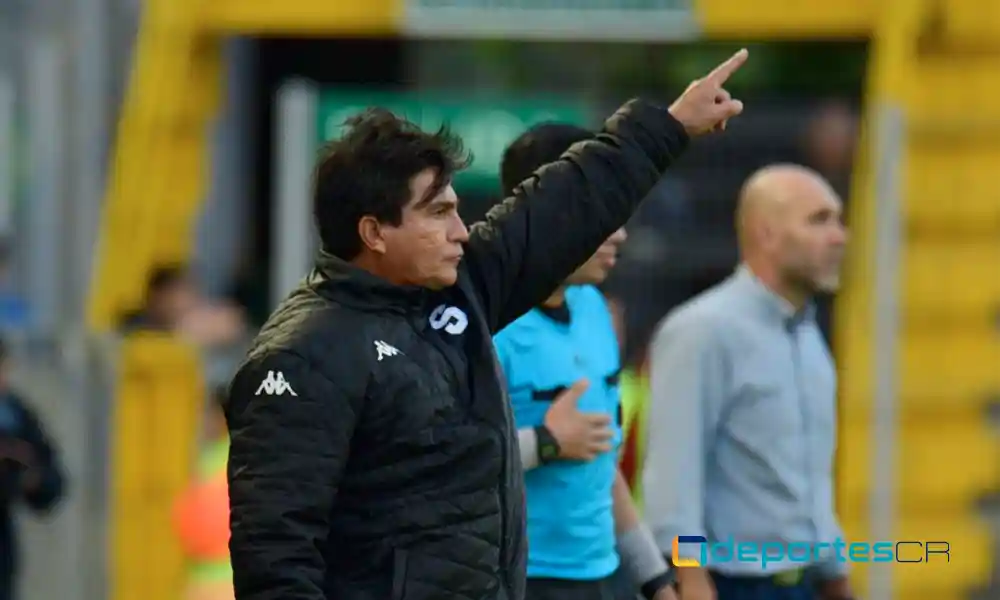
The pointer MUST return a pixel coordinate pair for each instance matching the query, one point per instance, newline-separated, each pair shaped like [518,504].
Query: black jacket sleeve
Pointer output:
[46,470]
[532,242]
[286,458]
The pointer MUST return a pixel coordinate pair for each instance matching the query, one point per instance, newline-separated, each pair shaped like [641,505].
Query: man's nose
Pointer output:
[839,235]
[459,232]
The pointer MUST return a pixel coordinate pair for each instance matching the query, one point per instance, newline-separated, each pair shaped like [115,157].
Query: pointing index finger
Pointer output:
[723,72]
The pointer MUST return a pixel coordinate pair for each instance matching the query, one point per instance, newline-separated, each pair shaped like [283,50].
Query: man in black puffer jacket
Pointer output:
[373,452]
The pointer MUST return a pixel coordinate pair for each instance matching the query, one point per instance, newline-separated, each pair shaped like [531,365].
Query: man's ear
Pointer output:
[371,233]
[768,233]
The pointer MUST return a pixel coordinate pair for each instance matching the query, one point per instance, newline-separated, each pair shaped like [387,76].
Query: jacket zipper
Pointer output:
[466,394]
[505,537]
[502,488]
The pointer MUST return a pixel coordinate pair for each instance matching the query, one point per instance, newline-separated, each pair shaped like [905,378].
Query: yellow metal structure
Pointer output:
[786,19]
[949,363]
[303,17]
[157,176]
[158,406]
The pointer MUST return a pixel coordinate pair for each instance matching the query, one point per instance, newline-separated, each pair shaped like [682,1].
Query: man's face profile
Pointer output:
[426,247]
[815,237]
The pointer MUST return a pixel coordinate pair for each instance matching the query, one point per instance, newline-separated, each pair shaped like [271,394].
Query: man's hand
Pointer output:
[705,106]
[17,451]
[666,593]
[695,584]
[581,436]
[22,455]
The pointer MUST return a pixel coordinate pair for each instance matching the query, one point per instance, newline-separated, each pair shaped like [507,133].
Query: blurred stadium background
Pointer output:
[136,134]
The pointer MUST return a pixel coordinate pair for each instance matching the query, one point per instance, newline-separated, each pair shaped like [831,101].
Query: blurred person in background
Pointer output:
[634,389]
[170,296]
[561,364]
[250,291]
[829,143]
[373,453]
[744,394]
[14,311]
[30,471]
[201,513]
[828,147]
[174,304]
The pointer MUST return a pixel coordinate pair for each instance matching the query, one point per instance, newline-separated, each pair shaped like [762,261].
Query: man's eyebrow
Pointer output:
[434,191]
[435,200]
[429,196]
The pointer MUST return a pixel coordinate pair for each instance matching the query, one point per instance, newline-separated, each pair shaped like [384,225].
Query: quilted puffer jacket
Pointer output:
[373,451]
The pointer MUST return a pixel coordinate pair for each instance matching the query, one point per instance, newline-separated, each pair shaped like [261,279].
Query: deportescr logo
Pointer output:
[385,350]
[275,385]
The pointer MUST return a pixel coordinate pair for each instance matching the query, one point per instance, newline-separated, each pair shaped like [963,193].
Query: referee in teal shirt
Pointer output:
[561,362]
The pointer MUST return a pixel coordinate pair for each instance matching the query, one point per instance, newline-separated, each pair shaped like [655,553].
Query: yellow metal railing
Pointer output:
[158,404]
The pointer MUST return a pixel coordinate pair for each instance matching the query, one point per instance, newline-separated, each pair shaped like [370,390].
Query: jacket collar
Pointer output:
[770,304]
[353,286]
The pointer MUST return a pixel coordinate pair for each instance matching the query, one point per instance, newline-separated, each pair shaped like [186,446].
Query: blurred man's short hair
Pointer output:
[165,277]
[538,146]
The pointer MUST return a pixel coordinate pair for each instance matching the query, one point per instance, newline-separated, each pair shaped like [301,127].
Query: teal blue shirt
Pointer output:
[571,525]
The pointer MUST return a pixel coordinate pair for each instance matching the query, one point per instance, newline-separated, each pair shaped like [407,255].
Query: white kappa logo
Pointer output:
[275,385]
[385,350]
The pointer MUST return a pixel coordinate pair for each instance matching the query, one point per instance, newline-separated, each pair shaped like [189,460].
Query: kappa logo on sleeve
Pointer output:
[275,385]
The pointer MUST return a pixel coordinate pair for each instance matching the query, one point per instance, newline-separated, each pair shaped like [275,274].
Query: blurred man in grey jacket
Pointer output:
[742,425]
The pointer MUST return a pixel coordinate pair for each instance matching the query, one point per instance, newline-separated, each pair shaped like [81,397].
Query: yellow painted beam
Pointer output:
[970,22]
[158,405]
[788,19]
[303,17]
[892,61]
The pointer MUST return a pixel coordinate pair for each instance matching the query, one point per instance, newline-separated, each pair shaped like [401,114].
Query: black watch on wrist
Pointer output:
[548,446]
[651,588]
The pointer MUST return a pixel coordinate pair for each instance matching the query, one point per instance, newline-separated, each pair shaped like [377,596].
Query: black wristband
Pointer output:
[654,585]
[548,446]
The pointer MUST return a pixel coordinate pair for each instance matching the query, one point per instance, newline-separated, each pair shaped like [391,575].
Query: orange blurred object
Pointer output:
[201,518]
[210,590]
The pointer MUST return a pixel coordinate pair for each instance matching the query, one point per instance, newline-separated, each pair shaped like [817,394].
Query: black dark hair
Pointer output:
[367,171]
[163,277]
[536,147]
